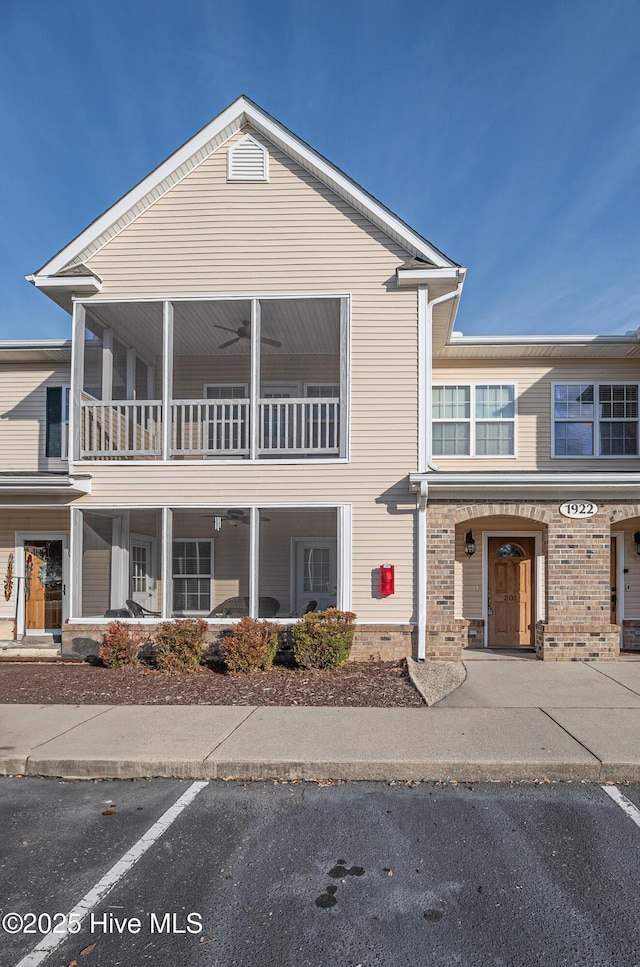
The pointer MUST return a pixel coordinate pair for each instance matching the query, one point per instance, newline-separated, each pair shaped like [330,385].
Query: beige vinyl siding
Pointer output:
[292,235]
[35,521]
[23,410]
[534,409]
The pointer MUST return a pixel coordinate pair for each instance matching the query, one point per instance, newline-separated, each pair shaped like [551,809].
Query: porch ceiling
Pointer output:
[301,325]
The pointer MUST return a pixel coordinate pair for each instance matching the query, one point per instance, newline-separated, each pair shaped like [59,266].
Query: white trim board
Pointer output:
[179,164]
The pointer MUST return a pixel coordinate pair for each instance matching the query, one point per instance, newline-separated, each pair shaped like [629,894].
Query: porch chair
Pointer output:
[139,612]
[239,607]
[304,609]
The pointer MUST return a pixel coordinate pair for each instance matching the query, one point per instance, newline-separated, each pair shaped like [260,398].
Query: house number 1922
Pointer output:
[578,509]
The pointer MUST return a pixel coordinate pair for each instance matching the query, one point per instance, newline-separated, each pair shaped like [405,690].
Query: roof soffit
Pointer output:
[202,145]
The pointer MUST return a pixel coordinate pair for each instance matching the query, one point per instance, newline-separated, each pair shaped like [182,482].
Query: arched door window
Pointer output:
[510,550]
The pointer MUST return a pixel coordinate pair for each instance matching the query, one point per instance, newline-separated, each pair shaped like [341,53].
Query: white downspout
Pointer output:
[425,446]
[421,570]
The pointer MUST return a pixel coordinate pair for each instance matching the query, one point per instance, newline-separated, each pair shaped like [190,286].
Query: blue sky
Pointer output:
[508,133]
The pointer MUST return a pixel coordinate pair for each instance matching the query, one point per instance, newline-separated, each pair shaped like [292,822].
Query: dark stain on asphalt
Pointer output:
[433,915]
[340,870]
[327,899]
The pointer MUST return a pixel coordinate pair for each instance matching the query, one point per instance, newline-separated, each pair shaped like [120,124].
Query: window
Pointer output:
[474,420]
[57,426]
[192,576]
[595,419]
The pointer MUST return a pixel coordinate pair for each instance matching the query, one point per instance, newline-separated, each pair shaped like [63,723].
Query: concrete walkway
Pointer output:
[509,720]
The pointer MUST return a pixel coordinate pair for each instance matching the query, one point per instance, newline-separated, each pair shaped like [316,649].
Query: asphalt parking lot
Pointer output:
[304,874]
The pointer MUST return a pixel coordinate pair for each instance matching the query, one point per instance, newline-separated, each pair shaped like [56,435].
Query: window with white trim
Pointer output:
[57,422]
[595,419]
[192,576]
[474,420]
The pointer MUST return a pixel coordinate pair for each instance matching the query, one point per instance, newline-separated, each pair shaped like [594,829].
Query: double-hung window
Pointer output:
[192,576]
[595,419]
[474,420]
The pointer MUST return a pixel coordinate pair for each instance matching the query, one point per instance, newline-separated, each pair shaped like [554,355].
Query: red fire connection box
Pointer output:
[387,580]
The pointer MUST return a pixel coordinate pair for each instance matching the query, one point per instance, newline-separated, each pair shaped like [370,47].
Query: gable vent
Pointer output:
[247,161]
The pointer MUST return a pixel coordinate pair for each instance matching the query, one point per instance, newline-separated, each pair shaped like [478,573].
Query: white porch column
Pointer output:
[167,376]
[254,551]
[75,563]
[166,575]
[77,380]
[254,406]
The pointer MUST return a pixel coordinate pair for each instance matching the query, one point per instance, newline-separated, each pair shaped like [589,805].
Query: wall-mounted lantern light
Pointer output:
[636,540]
[470,544]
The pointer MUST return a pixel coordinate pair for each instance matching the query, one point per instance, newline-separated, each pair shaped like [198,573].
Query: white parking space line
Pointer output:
[42,950]
[625,804]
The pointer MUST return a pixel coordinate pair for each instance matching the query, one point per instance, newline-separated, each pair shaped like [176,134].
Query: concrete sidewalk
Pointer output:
[508,721]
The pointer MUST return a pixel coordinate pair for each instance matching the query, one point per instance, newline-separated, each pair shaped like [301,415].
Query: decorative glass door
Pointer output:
[43,586]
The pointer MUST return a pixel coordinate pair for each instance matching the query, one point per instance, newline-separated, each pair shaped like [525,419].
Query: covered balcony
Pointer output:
[244,379]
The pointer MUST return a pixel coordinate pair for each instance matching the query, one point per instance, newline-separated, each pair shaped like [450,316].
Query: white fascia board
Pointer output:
[241,111]
[86,283]
[460,341]
[132,197]
[537,481]
[336,179]
[35,485]
[424,276]
[35,344]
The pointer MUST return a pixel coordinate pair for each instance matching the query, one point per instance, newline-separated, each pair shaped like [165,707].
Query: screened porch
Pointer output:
[216,379]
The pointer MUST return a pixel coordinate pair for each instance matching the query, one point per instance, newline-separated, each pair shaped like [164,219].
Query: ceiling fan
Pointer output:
[235,516]
[244,332]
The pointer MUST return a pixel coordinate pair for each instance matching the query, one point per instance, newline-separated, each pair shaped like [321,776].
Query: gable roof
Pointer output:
[241,112]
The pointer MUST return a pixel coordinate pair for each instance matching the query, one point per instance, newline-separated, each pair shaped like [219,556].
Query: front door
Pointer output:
[43,586]
[143,583]
[511,592]
[316,574]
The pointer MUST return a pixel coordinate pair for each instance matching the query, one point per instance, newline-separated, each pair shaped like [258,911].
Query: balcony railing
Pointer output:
[206,428]
[121,429]
[210,428]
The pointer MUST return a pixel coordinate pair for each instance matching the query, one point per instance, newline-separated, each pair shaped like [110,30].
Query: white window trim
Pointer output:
[65,406]
[192,540]
[473,421]
[22,538]
[596,420]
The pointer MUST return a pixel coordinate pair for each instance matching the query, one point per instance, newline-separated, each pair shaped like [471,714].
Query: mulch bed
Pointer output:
[372,684]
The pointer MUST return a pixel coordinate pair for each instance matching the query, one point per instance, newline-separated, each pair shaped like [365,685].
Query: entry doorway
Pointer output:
[143,588]
[315,571]
[42,574]
[511,591]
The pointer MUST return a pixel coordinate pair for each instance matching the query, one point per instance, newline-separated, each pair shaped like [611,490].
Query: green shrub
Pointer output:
[322,639]
[181,645]
[121,644]
[251,646]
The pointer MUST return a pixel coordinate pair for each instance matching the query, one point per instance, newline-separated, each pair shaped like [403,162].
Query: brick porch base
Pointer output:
[575,641]
[375,642]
